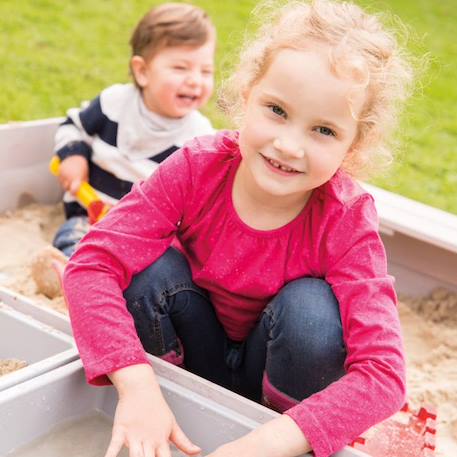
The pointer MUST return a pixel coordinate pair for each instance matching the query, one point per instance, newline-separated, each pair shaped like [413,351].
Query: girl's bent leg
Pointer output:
[174,318]
[301,335]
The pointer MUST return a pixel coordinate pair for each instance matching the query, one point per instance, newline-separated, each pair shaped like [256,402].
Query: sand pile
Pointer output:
[23,234]
[10,365]
[430,333]
[429,323]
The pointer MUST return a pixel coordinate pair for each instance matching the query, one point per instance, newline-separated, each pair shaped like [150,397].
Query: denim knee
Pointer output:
[70,234]
[306,310]
[306,349]
[168,273]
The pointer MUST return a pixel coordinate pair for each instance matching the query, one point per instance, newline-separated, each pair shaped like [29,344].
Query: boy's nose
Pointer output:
[194,78]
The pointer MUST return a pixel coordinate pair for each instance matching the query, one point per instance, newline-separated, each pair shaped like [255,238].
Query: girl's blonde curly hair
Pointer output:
[360,48]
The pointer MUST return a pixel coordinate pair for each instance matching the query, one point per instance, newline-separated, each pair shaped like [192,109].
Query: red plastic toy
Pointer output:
[405,434]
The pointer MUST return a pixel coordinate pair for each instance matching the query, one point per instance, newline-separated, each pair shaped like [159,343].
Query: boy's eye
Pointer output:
[278,110]
[325,131]
[179,67]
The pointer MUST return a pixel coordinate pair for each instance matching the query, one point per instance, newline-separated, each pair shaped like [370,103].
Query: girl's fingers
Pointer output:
[115,445]
[148,450]
[163,451]
[136,449]
[180,440]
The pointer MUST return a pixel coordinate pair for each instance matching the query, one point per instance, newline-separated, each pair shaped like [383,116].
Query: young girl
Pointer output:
[277,286]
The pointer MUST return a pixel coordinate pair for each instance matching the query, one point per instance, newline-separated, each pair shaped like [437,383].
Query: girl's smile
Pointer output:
[280,168]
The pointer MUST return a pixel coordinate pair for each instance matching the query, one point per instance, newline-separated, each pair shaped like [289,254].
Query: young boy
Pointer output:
[123,134]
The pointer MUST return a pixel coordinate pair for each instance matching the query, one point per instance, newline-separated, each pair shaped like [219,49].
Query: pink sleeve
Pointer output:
[374,385]
[133,235]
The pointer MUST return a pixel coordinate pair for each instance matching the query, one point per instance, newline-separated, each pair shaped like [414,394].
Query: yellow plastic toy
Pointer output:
[86,195]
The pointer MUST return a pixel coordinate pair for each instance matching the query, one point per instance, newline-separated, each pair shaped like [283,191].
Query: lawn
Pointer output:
[55,54]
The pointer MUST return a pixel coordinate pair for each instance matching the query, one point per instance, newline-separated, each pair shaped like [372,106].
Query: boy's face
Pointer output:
[298,125]
[177,79]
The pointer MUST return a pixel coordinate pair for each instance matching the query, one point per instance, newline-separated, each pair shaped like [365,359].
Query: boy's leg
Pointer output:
[175,320]
[70,233]
[297,348]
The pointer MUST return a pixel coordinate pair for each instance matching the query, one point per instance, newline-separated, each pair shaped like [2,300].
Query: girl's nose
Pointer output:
[289,147]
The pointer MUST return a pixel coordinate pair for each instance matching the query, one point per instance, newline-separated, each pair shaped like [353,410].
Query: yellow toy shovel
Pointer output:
[86,195]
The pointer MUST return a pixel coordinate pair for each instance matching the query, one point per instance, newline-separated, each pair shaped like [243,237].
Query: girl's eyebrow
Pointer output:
[331,125]
[273,98]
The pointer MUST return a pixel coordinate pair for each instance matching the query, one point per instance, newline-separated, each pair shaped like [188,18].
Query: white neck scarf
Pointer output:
[143,133]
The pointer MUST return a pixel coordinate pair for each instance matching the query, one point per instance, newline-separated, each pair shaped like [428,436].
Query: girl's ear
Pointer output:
[139,70]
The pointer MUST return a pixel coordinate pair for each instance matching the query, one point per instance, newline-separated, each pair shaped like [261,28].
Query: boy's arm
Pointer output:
[73,142]
[74,135]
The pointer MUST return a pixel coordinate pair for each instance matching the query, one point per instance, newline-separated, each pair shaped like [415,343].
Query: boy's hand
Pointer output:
[279,437]
[72,172]
[143,421]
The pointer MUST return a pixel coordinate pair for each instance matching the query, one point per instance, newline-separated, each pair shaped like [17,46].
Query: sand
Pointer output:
[429,323]
[24,234]
[430,333]
[10,365]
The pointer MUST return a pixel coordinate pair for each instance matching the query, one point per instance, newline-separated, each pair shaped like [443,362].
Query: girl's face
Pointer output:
[298,126]
[177,80]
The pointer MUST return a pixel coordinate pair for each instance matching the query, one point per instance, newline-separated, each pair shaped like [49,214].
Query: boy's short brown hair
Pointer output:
[170,24]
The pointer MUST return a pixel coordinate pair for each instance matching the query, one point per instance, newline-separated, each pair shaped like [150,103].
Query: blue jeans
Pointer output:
[70,233]
[296,346]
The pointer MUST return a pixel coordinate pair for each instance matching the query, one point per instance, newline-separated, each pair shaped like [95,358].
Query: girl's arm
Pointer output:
[133,235]
[280,437]
[373,388]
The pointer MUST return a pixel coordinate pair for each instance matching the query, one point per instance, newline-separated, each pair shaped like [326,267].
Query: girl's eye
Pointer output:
[179,67]
[278,110]
[325,131]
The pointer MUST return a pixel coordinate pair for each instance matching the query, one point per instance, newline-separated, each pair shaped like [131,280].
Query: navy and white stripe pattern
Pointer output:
[122,141]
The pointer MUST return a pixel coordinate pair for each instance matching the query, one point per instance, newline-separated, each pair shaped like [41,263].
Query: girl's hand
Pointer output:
[280,437]
[72,172]
[143,421]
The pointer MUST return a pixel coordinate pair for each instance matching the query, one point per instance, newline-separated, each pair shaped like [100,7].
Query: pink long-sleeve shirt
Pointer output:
[335,237]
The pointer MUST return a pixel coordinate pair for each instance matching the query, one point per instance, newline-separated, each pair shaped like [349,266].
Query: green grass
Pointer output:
[55,54]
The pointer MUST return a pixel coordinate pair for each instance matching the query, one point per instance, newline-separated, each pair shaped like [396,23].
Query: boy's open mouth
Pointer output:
[190,98]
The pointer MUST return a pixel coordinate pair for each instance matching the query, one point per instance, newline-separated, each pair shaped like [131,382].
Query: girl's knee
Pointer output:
[307,303]
[159,276]
[306,321]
